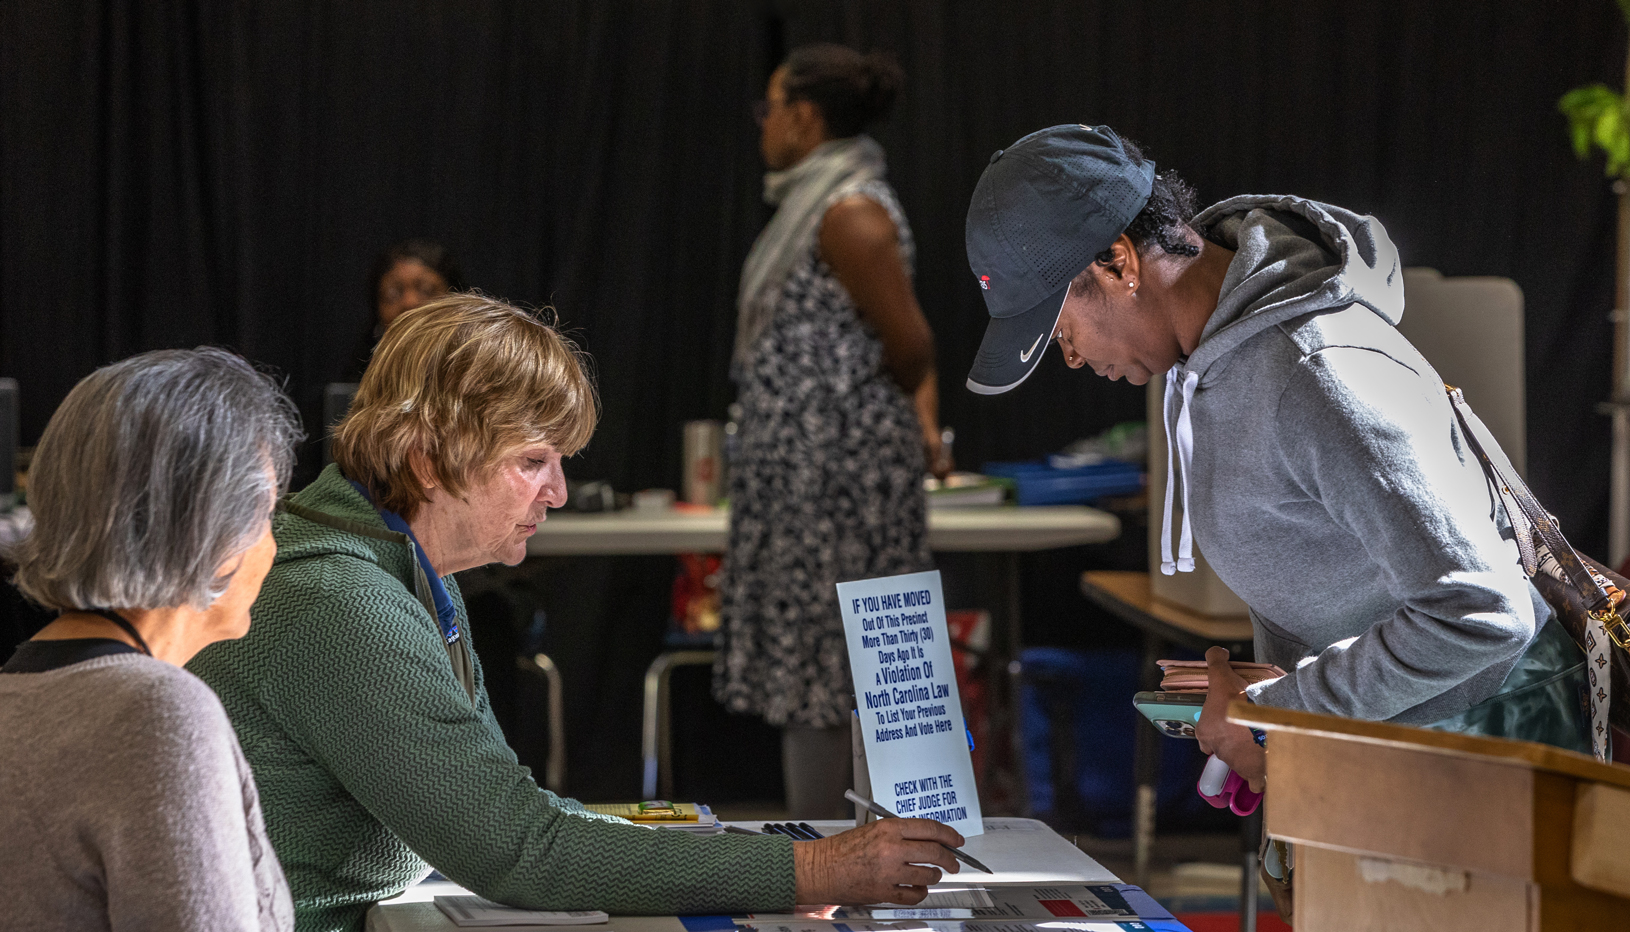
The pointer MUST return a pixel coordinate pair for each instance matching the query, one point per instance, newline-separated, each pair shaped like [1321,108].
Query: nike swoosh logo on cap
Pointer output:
[1025,356]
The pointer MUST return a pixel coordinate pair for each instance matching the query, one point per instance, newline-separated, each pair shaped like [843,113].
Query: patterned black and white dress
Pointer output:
[827,487]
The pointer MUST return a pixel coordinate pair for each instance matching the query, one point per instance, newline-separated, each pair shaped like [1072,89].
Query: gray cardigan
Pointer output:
[127,804]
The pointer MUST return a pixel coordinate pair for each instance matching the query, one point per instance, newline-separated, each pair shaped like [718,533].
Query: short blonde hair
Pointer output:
[464,381]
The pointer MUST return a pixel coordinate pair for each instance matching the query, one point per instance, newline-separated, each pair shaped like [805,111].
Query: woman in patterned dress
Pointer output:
[835,366]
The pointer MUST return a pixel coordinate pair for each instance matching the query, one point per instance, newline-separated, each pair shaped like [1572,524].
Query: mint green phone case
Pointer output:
[1175,714]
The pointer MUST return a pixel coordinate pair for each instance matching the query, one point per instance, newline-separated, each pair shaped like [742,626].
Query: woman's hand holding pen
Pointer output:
[883,862]
[1233,743]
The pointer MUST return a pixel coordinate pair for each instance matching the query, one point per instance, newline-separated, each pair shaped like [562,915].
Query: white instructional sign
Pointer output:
[906,696]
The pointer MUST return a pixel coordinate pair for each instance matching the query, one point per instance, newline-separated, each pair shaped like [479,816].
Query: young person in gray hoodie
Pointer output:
[1314,452]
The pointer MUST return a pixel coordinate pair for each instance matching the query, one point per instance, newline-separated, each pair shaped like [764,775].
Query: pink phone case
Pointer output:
[1236,796]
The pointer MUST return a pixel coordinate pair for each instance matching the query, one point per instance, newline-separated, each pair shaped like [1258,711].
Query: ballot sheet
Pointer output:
[906,697]
[986,909]
[1123,925]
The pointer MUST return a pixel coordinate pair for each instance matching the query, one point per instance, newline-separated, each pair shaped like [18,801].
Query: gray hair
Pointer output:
[149,477]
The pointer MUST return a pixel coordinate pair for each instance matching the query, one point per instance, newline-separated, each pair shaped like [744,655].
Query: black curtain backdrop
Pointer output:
[176,173]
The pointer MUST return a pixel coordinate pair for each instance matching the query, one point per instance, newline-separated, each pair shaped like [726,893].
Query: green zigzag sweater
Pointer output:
[373,764]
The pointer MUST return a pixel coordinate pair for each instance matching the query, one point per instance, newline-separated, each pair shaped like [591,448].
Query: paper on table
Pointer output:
[1125,925]
[1047,903]
[1014,825]
[969,898]
[480,912]
[940,904]
[1062,901]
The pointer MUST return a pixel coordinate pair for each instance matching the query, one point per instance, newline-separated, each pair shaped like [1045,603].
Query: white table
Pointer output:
[1021,851]
[1004,531]
[976,530]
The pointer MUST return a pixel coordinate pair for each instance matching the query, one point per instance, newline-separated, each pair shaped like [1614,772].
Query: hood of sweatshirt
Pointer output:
[331,517]
[1292,257]
[352,528]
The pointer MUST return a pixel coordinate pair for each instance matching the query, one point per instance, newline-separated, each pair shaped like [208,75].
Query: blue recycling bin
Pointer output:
[1079,728]
[1037,483]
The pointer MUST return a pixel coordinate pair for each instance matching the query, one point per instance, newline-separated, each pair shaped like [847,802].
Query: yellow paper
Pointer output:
[631,812]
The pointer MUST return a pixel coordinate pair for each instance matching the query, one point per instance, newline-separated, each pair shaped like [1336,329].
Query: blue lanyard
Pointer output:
[446,612]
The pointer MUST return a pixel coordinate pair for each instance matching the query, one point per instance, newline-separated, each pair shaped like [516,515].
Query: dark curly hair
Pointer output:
[852,90]
[1164,222]
[434,255]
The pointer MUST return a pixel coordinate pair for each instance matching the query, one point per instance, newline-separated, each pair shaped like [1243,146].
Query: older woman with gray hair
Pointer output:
[129,804]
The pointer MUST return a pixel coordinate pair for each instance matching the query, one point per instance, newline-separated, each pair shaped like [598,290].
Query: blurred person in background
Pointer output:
[128,802]
[410,274]
[406,275]
[835,365]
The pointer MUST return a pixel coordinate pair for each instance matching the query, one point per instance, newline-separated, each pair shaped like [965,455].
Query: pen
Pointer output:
[802,831]
[738,830]
[882,813]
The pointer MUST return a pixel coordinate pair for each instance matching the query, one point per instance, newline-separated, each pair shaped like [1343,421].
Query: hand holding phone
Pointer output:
[1175,707]
[1235,744]
[1176,714]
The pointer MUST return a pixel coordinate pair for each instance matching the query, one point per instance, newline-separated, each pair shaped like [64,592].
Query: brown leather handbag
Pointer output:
[1588,597]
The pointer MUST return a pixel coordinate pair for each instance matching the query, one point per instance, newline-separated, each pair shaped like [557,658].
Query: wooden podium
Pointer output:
[1400,828]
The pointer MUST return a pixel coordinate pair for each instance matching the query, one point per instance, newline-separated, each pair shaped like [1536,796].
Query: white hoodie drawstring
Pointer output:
[1179,451]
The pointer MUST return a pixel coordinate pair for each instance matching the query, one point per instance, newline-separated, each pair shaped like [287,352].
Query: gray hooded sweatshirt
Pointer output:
[1327,483]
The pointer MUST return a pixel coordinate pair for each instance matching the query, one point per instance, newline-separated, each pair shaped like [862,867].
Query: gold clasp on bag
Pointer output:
[1615,626]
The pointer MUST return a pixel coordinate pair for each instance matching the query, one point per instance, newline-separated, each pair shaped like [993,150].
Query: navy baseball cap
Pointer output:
[1042,211]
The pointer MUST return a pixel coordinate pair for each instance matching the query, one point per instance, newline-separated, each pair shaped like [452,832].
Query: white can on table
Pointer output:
[704,462]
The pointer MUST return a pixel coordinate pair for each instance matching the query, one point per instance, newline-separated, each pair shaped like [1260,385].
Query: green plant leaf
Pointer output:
[1596,114]
[1613,136]
[1581,106]
[1588,99]
[1581,138]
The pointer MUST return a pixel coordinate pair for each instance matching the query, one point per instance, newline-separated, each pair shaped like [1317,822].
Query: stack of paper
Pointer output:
[692,818]
[966,490]
[478,912]
[1184,676]
[1074,907]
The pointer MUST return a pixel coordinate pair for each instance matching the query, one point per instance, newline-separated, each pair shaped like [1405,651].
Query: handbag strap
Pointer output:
[1529,519]
[1545,550]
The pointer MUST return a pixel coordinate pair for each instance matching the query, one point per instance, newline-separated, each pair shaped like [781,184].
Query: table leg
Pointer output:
[1250,842]
[555,770]
[1002,786]
[656,731]
[1146,764]
[1015,682]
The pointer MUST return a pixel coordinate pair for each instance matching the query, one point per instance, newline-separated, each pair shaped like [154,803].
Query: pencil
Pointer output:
[882,813]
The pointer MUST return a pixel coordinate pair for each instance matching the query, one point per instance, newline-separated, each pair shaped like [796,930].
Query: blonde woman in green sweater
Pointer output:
[359,701]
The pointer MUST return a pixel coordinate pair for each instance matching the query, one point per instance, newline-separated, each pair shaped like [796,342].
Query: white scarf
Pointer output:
[800,193]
